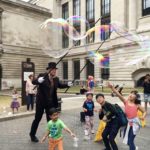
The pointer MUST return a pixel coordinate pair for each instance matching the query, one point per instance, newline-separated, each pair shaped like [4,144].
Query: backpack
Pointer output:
[121,115]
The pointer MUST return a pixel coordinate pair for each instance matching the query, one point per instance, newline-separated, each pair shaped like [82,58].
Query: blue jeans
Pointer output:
[30,101]
[131,138]
[110,133]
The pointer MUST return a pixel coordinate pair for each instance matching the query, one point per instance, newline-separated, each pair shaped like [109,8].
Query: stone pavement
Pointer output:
[15,132]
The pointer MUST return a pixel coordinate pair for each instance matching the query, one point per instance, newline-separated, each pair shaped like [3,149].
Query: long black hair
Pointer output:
[138,97]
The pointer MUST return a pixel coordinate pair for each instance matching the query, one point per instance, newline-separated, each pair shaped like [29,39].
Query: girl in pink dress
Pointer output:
[131,109]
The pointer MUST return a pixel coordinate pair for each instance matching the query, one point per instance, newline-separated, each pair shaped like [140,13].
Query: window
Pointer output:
[65,11]
[76,65]
[105,7]
[65,15]
[105,13]
[105,71]
[90,68]
[77,25]
[105,34]
[91,19]
[65,70]
[145,7]
[76,7]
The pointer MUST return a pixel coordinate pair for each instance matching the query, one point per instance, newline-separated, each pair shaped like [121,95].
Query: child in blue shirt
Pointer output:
[88,108]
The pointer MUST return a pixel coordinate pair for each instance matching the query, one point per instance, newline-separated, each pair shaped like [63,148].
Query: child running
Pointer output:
[54,131]
[88,108]
[131,110]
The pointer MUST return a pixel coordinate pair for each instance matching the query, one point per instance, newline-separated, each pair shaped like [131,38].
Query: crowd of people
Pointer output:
[44,88]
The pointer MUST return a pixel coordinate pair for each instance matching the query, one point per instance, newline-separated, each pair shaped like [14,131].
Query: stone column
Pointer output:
[1,40]
[119,14]
[132,15]
[57,13]
[1,10]
[70,14]
[97,16]
[83,13]
[70,70]
[97,71]
[60,70]
[83,73]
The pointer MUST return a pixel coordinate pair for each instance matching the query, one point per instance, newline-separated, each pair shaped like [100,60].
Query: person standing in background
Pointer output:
[146,86]
[30,92]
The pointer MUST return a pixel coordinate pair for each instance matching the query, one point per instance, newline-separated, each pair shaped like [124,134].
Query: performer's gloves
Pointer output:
[70,84]
[40,79]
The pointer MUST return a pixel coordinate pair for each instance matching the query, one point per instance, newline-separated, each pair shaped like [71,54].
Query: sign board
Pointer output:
[26,75]
[28,68]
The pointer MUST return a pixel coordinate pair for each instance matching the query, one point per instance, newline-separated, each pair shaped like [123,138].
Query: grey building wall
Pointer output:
[21,38]
[121,51]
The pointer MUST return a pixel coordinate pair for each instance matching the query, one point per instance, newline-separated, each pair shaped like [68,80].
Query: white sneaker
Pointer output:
[136,148]
[92,131]
[86,132]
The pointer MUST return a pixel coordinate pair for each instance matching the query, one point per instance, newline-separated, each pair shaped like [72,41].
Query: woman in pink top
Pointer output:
[30,92]
[131,109]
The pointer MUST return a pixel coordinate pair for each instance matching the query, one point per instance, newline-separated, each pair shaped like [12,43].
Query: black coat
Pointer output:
[44,97]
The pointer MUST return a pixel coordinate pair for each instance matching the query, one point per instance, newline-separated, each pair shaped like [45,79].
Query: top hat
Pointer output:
[51,65]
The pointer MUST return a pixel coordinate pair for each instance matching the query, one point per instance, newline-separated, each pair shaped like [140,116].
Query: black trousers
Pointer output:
[109,134]
[38,116]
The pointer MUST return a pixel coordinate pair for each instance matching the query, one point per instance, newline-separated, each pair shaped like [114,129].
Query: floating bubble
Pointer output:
[96,31]
[73,28]
[51,46]
[121,30]
[99,29]
[55,53]
[130,36]
[103,61]
[137,60]
[145,42]
[54,24]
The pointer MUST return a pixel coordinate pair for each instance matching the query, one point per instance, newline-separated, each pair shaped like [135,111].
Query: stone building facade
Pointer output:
[132,14]
[20,38]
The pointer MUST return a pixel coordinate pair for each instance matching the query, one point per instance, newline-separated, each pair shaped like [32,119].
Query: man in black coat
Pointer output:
[46,96]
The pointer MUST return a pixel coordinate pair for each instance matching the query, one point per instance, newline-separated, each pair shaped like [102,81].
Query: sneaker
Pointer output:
[86,132]
[92,131]
[136,148]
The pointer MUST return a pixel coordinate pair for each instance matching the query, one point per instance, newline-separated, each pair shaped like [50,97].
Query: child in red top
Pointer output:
[131,109]
[90,84]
